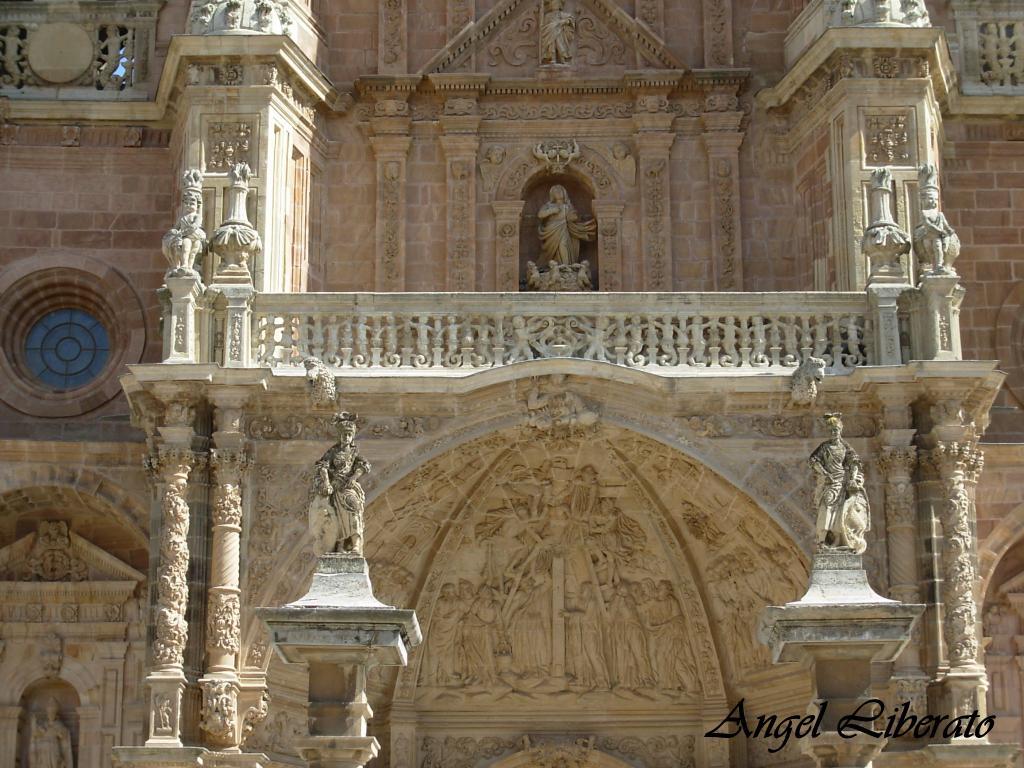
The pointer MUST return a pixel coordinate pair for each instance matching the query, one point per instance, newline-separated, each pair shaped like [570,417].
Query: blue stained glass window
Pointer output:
[67,348]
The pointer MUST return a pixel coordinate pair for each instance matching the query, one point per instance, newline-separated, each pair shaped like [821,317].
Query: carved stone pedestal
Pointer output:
[180,327]
[340,630]
[158,757]
[839,628]
[937,317]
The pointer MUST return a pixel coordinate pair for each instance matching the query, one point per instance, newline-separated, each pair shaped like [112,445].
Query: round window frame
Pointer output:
[28,292]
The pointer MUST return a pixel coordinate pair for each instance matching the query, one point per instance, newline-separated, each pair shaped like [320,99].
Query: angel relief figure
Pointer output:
[336,509]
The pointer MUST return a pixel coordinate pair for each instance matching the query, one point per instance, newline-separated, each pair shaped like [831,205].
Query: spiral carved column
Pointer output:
[170,466]
[220,684]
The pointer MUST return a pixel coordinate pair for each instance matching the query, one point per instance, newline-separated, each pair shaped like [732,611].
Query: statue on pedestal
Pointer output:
[51,741]
[935,241]
[843,515]
[336,509]
[186,240]
[561,230]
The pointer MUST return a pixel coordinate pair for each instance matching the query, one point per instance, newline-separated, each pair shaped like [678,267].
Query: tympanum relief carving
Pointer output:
[556,588]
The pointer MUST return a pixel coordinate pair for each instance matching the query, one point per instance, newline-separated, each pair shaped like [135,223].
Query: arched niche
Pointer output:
[35,723]
[1003,623]
[537,194]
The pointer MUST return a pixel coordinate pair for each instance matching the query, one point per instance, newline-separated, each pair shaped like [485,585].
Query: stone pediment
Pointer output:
[53,553]
[507,41]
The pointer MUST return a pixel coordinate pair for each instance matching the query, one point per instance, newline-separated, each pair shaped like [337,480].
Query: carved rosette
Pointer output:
[959,464]
[173,466]
[897,465]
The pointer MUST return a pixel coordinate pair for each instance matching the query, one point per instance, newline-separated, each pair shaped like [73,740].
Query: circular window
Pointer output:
[67,348]
[66,334]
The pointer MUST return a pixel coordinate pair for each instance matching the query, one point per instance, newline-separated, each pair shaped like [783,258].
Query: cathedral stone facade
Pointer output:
[574,288]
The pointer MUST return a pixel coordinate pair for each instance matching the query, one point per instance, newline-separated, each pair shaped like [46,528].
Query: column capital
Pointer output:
[651,143]
[459,145]
[390,146]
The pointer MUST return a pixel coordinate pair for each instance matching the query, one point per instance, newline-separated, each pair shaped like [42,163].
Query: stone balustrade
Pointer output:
[665,331]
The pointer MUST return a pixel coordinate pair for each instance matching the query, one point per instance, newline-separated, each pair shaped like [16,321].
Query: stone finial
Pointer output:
[884,241]
[935,241]
[236,241]
[186,241]
[219,17]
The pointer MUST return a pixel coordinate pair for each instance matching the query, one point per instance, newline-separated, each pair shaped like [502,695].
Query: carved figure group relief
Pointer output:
[556,586]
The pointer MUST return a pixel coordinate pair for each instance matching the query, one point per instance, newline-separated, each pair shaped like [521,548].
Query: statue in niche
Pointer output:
[557,33]
[336,510]
[185,242]
[50,746]
[561,231]
[935,241]
[839,498]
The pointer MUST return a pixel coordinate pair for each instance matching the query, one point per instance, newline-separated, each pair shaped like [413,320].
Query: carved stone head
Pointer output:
[345,425]
[834,422]
[928,187]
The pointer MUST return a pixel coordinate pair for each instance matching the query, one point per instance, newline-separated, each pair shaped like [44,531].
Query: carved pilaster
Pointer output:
[724,187]
[897,465]
[391,152]
[656,229]
[460,151]
[609,243]
[392,37]
[506,244]
[718,50]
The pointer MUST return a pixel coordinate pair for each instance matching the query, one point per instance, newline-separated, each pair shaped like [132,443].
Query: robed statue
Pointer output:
[843,516]
[338,500]
[557,32]
[560,228]
[50,746]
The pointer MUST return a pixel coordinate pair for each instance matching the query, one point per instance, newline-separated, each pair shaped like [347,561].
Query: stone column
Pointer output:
[507,215]
[609,244]
[220,718]
[166,679]
[9,734]
[959,463]
[897,463]
[723,148]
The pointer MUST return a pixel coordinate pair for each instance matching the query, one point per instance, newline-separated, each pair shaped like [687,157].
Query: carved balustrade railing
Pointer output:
[682,331]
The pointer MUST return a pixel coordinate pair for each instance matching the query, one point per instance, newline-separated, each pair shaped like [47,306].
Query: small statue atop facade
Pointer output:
[321,381]
[935,242]
[884,241]
[843,516]
[557,33]
[50,746]
[186,240]
[561,231]
[336,510]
